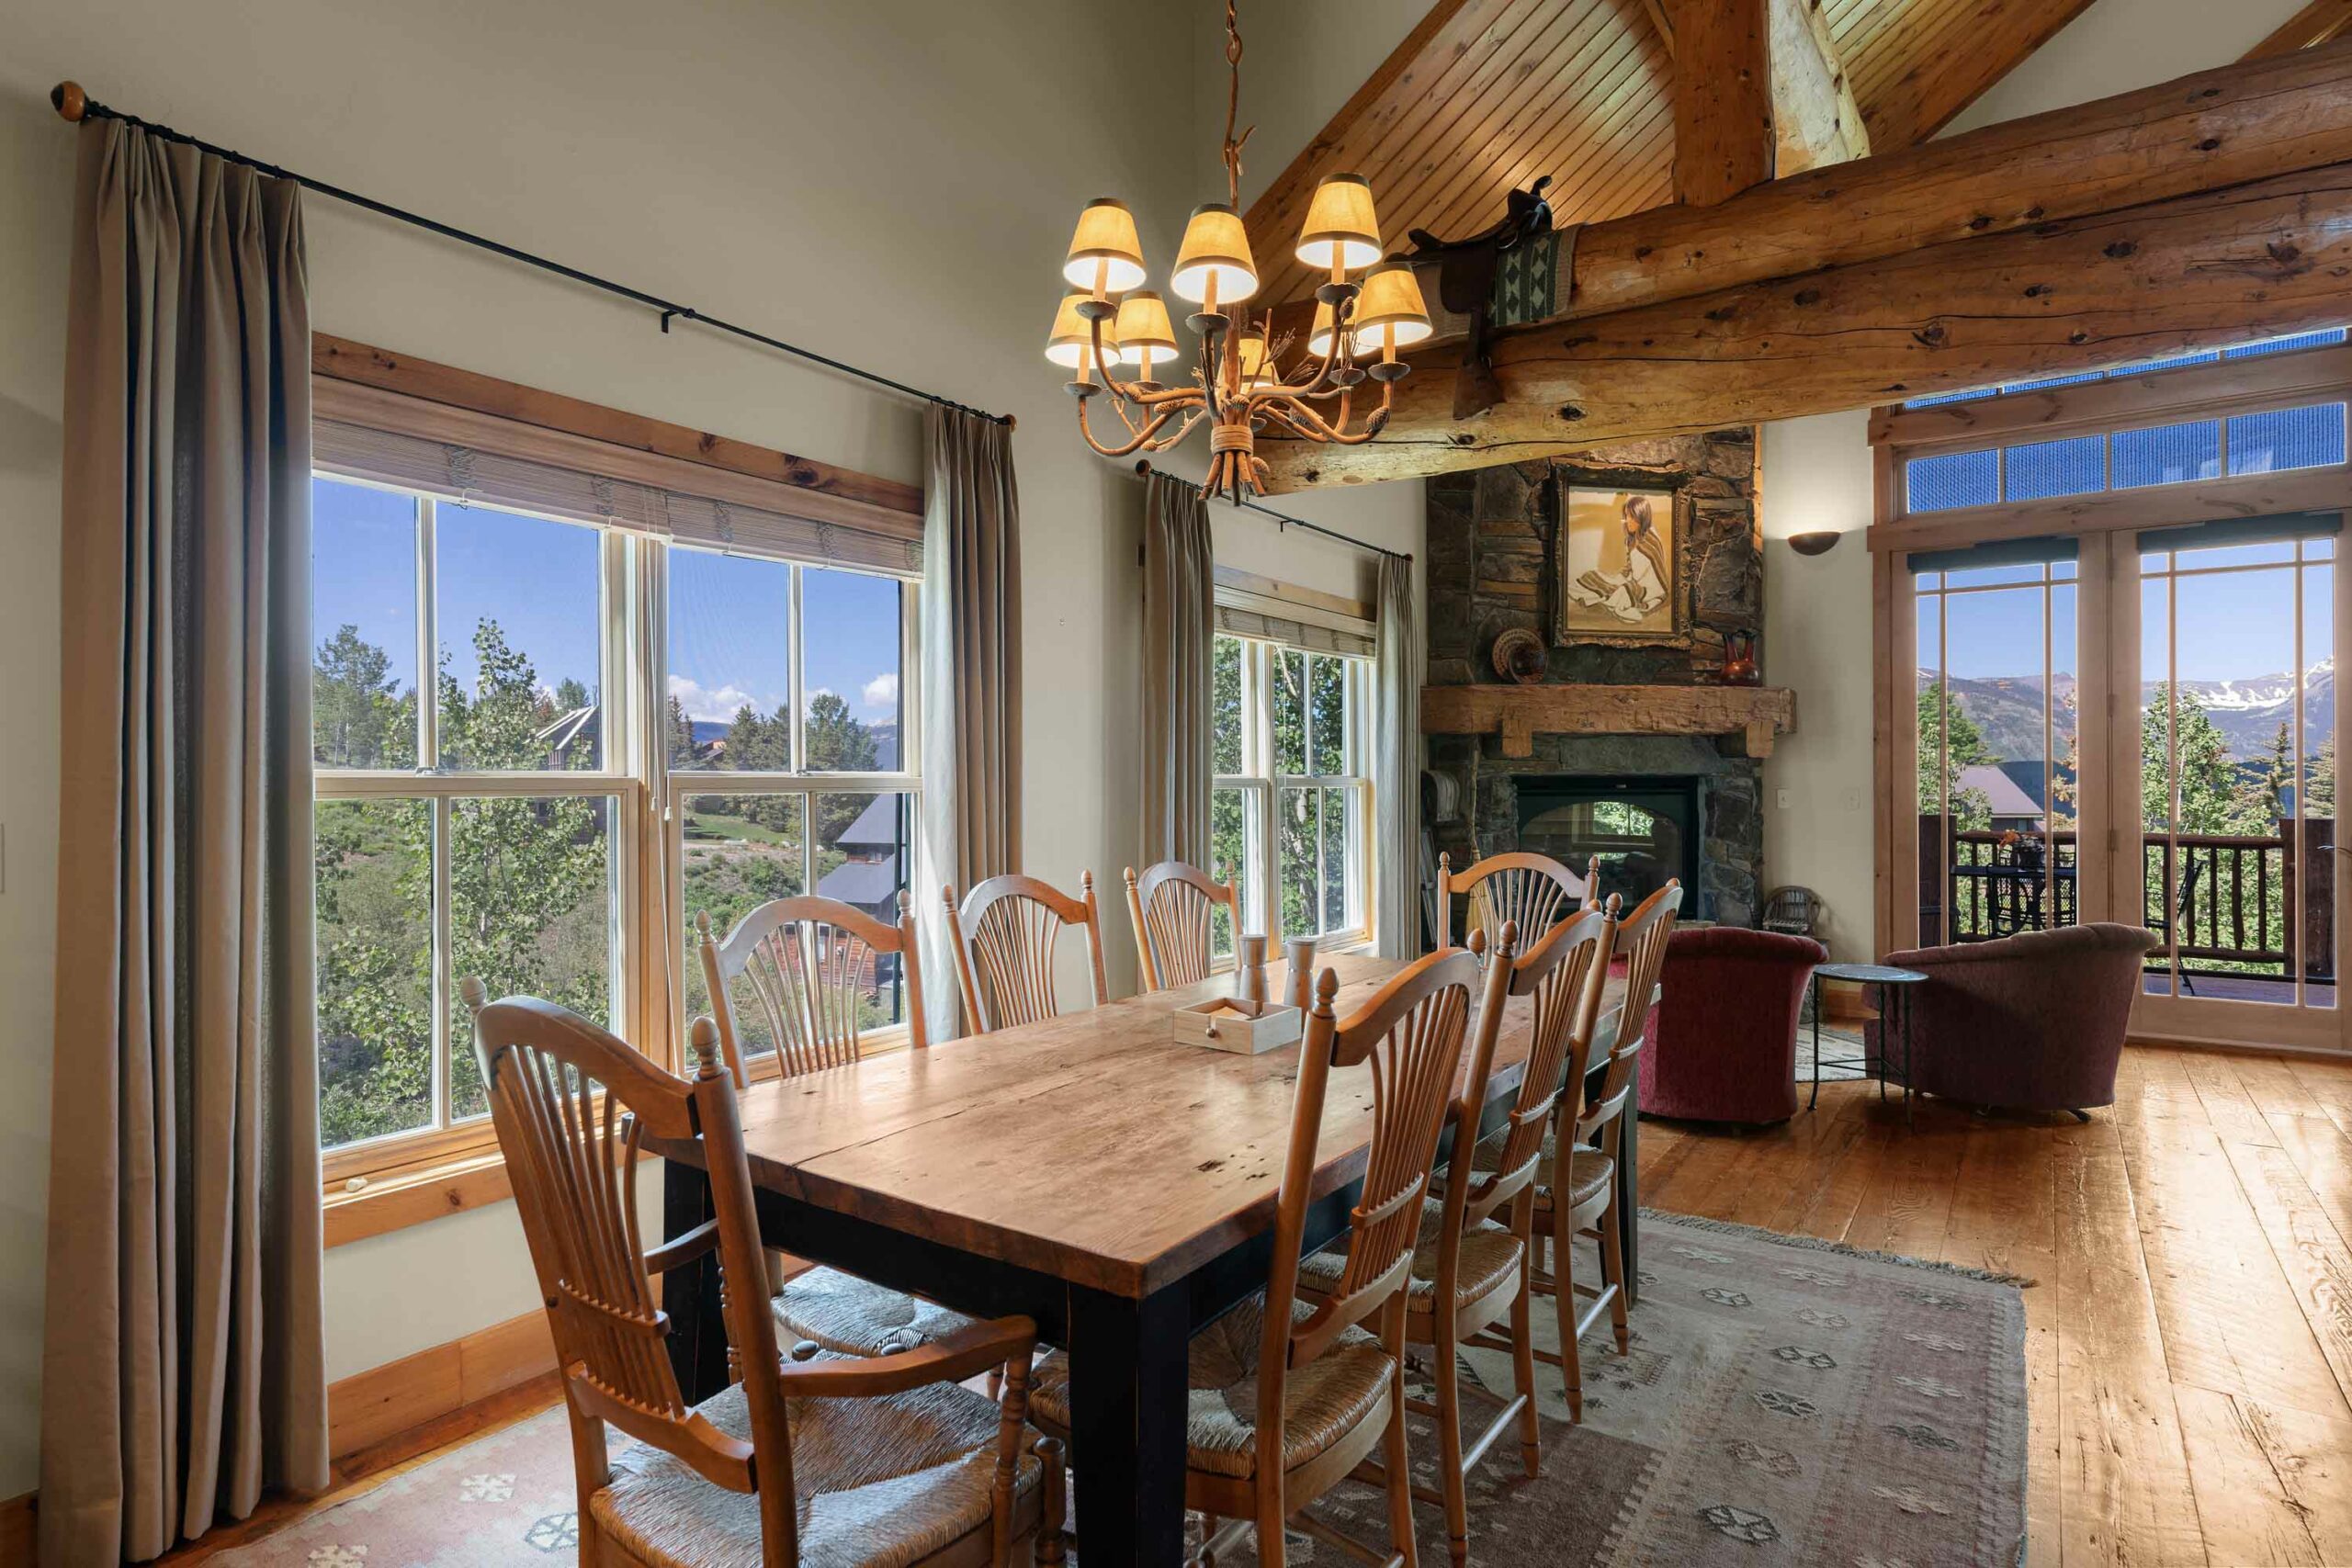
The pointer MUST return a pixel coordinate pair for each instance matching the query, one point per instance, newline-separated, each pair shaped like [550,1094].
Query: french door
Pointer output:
[2138,728]
[2225,704]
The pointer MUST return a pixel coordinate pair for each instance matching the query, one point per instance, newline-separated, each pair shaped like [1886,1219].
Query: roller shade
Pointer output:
[484,460]
[2000,552]
[1237,621]
[2243,531]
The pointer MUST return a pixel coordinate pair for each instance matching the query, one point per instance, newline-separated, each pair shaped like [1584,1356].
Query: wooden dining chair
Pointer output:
[806,964]
[1290,1394]
[1004,933]
[1473,1267]
[1173,906]
[1580,1195]
[1531,891]
[885,1460]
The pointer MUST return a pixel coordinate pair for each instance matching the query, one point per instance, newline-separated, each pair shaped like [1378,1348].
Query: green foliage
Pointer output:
[359,717]
[1963,747]
[2212,799]
[528,889]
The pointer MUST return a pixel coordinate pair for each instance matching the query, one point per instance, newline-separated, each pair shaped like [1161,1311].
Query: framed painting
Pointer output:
[1618,570]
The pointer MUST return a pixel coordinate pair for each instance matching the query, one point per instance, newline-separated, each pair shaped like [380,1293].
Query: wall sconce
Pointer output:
[1818,543]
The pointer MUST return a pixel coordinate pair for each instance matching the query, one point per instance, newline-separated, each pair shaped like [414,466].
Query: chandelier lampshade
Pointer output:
[1105,254]
[1214,260]
[1145,336]
[1318,336]
[1342,231]
[1389,312]
[1071,343]
[1257,369]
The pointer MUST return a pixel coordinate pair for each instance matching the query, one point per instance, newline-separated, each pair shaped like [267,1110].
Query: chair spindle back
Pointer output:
[1173,906]
[1530,891]
[807,962]
[572,1104]
[1642,936]
[1565,975]
[1004,933]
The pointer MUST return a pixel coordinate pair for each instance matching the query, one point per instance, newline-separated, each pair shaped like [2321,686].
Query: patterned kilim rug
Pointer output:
[1785,1402]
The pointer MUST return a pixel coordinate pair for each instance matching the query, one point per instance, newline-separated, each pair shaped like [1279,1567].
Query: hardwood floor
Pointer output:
[2189,1342]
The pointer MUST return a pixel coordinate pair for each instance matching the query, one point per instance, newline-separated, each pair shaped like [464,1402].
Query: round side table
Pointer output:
[1894,988]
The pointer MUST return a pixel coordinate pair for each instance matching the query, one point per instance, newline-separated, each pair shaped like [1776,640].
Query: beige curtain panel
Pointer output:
[971,678]
[182,1372]
[1179,628]
[1397,765]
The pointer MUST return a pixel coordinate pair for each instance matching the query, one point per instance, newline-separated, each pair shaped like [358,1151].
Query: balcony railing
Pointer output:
[2230,902]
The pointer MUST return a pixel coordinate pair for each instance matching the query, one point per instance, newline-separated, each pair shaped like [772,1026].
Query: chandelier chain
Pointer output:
[1233,145]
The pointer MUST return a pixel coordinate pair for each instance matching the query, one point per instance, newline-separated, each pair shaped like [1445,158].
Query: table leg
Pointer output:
[1907,1075]
[1629,1203]
[689,1292]
[1815,1102]
[1127,1409]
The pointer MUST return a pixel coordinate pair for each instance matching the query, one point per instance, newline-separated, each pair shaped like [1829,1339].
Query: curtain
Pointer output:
[971,681]
[182,1367]
[1179,608]
[1396,764]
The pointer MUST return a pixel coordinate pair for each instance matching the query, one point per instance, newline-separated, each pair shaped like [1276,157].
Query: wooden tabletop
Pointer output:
[1093,1147]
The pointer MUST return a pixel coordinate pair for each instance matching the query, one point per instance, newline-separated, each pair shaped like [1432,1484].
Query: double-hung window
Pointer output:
[561,710]
[476,815]
[1291,806]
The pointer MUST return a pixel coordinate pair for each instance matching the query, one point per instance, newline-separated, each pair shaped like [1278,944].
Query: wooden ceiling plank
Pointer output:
[1722,100]
[2163,278]
[1437,170]
[1598,88]
[2322,21]
[1431,71]
[1816,118]
[1948,61]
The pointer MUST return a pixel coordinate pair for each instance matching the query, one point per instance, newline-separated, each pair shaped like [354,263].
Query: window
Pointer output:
[2307,436]
[1291,805]
[467,823]
[490,751]
[788,751]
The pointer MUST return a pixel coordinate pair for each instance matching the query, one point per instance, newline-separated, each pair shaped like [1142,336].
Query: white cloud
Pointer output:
[882,691]
[718,703]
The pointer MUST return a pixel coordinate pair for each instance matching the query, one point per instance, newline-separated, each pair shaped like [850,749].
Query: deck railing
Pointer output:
[2230,902]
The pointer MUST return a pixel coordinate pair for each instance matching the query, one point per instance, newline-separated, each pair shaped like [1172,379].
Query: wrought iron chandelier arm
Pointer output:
[1140,437]
[1335,430]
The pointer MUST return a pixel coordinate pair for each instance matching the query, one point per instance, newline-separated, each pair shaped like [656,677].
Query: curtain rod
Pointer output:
[70,102]
[1143,466]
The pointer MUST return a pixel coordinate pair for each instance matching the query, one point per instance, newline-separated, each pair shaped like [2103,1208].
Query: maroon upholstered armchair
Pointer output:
[2034,1022]
[1723,1037]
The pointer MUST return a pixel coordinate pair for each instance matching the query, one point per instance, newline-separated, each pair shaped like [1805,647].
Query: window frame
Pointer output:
[682,784]
[397,423]
[1262,782]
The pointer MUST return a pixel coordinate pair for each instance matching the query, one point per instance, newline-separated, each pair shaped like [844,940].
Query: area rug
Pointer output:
[1784,1401]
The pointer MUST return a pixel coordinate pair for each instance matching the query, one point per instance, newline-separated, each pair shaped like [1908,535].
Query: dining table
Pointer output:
[1089,1171]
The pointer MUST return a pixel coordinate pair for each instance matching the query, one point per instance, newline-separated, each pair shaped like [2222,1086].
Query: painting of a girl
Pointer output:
[1616,564]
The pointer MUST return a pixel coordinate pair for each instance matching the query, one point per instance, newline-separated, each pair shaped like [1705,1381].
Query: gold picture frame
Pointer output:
[1617,569]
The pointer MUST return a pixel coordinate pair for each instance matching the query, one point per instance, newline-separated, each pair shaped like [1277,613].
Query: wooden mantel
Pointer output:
[1755,714]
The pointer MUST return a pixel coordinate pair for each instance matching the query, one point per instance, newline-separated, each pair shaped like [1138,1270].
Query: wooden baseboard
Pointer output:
[368,1408]
[16,1533]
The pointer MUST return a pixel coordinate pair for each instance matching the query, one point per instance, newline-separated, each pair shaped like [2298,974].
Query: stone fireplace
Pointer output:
[1656,767]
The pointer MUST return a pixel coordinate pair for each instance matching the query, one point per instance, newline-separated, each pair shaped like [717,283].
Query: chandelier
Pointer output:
[1239,384]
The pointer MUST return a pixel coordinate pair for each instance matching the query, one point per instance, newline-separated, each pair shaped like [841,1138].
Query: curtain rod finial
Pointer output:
[68,99]
[1143,466]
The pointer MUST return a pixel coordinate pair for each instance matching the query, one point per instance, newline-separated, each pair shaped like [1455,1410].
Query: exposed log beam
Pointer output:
[2202,133]
[2160,279]
[2322,21]
[1973,46]
[1723,98]
[1816,120]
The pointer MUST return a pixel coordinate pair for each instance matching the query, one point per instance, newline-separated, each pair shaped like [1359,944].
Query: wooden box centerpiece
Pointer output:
[1232,1023]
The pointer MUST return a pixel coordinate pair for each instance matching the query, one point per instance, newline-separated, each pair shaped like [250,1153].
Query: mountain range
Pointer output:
[2007,708]
[885,740]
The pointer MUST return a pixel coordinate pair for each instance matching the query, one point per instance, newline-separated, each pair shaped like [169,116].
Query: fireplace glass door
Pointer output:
[1643,831]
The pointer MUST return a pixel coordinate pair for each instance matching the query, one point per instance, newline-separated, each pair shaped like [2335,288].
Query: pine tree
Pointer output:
[2211,798]
[1945,727]
[682,735]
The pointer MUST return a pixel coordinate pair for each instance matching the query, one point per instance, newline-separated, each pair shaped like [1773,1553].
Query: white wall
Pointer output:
[888,184]
[1817,474]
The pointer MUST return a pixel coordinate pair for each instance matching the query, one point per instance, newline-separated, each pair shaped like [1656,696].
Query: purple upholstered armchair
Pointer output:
[1723,1042]
[2034,1022]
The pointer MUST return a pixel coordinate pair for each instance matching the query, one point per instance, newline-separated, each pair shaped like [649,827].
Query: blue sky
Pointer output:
[2234,625]
[729,617]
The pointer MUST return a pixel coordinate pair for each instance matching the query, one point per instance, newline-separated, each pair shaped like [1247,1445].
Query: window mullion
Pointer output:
[445,984]
[428,637]
[796,726]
